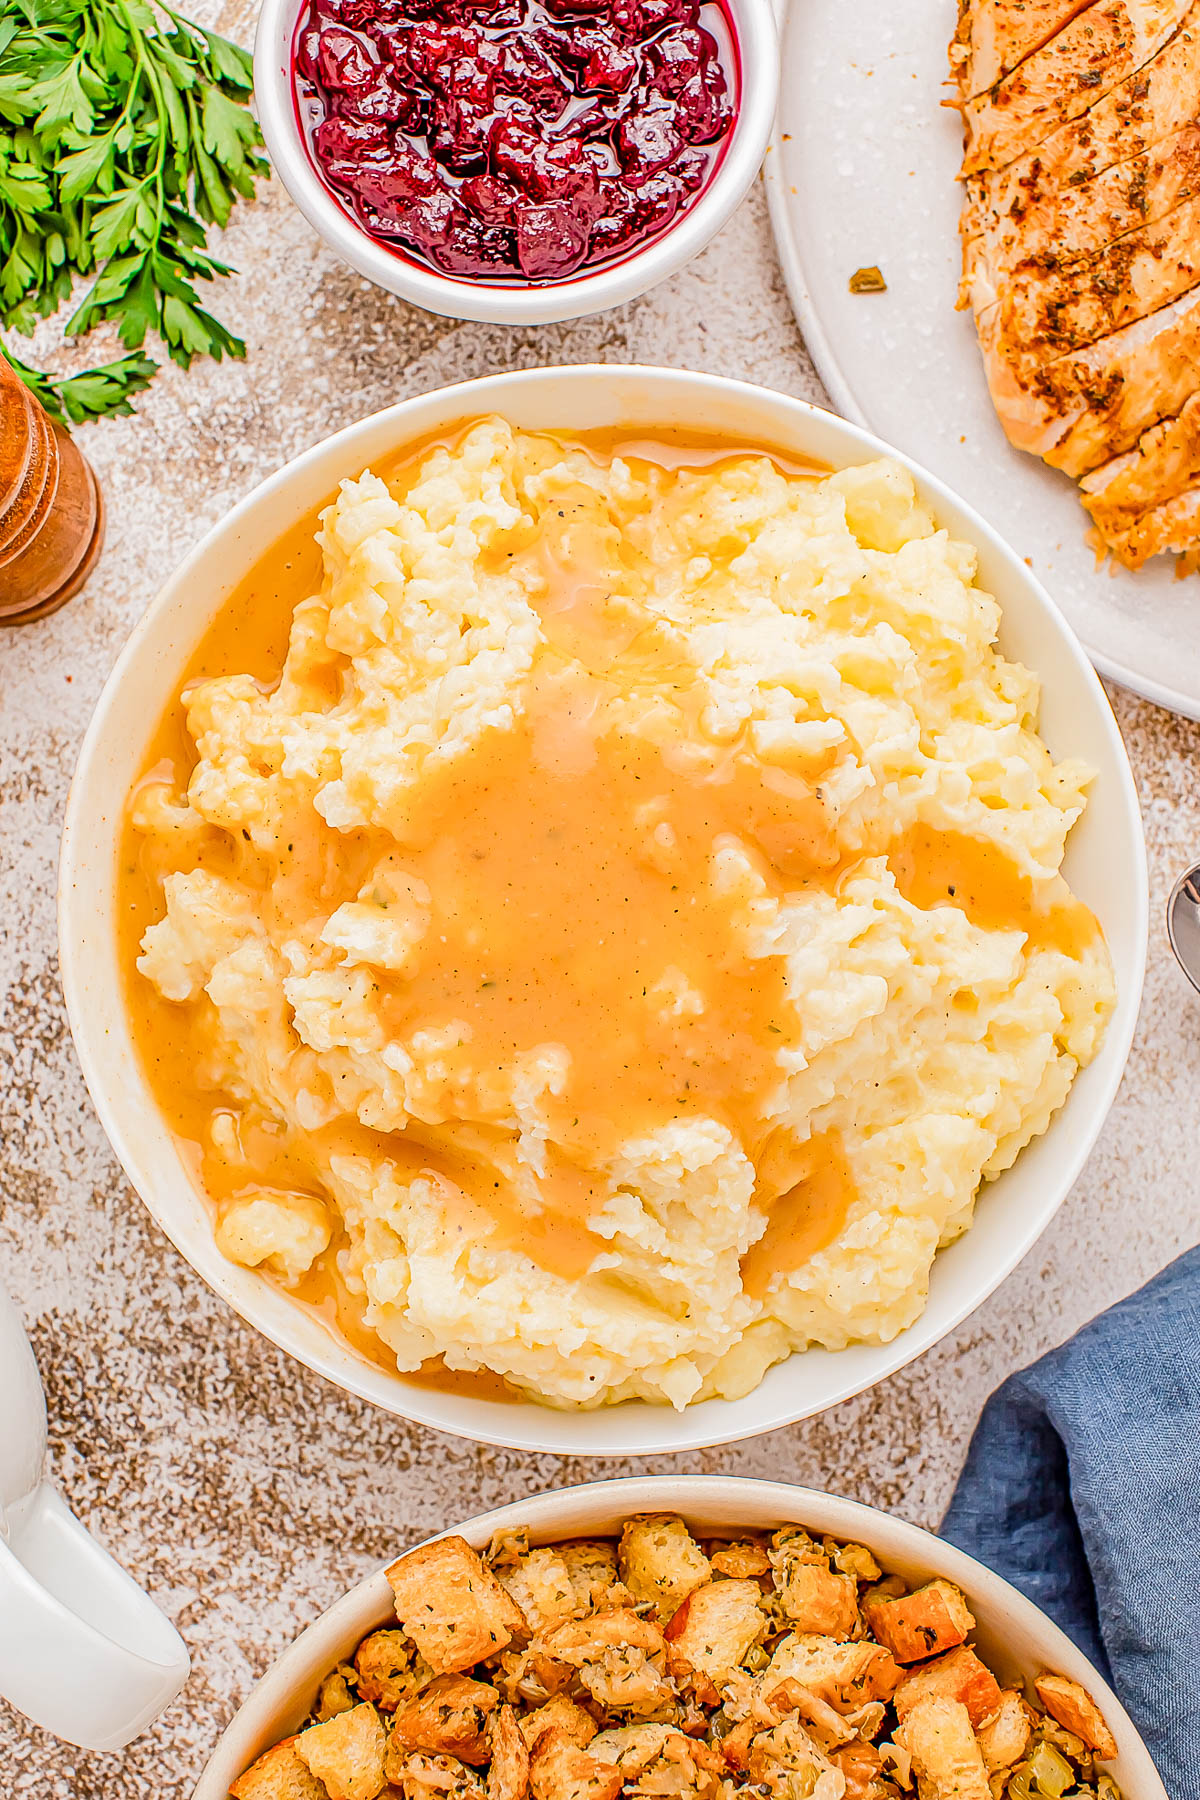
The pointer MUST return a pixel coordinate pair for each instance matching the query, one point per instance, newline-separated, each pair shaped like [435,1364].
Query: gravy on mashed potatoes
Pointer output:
[611,940]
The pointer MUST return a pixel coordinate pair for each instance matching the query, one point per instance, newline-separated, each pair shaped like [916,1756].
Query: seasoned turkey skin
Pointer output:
[993,36]
[1081,249]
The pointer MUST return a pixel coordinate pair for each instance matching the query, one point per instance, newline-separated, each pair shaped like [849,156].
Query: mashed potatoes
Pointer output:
[618,946]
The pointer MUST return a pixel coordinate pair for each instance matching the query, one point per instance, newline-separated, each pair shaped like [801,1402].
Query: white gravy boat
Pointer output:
[83,1651]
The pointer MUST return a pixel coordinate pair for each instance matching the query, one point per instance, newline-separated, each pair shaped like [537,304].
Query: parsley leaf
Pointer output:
[124,134]
[93,393]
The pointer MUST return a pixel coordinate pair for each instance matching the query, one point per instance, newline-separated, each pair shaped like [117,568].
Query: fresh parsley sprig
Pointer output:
[124,134]
[92,393]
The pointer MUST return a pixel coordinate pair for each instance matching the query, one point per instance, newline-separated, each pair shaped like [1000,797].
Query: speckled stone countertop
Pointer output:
[245,1493]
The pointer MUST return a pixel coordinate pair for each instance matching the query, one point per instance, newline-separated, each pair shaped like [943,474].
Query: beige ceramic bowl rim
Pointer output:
[279,1701]
[635,1428]
[758,49]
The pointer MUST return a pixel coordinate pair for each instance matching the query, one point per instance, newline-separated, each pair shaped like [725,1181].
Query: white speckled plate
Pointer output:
[862,170]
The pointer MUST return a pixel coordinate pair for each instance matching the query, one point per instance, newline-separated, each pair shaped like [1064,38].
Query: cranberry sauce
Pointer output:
[515,139]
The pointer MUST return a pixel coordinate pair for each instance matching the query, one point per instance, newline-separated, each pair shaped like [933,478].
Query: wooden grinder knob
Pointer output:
[51,512]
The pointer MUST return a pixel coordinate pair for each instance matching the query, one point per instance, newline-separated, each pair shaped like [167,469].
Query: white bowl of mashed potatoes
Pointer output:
[603,910]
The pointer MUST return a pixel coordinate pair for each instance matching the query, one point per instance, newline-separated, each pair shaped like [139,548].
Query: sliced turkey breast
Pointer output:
[995,35]
[1174,525]
[1058,243]
[1141,113]
[1081,250]
[1095,50]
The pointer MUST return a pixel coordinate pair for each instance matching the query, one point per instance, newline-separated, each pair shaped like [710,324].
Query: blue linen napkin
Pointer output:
[1082,1488]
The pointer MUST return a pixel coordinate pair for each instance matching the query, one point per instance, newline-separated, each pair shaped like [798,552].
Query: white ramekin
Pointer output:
[543,304]
[1105,863]
[1013,1635]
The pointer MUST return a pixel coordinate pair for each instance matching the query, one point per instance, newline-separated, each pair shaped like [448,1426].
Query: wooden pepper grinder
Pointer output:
[51,511]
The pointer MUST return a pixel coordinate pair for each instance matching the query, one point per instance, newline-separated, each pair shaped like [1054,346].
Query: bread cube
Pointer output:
[1004,1737]
[1076,1711]
[336,1695]
[279,1774]
[452,1606]
[346,1753]
[508,1773]
[851,1559]
[845,1676]
[918,1625]
[717,1625]
[387,1669]
[448,1718]
[560,1770]
[416,1775]
[778,1756]
[541,1585]
[661,1562]
[591,1565]
[623,1679]
[958,1675]
[632,1748]
[743,1560]
[814,1599]
[560,1714]
[947,1760]
[577,1641]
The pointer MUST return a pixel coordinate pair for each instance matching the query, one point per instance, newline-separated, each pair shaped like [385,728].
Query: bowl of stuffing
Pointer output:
[682,1636]
[621,915]
[518,161]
